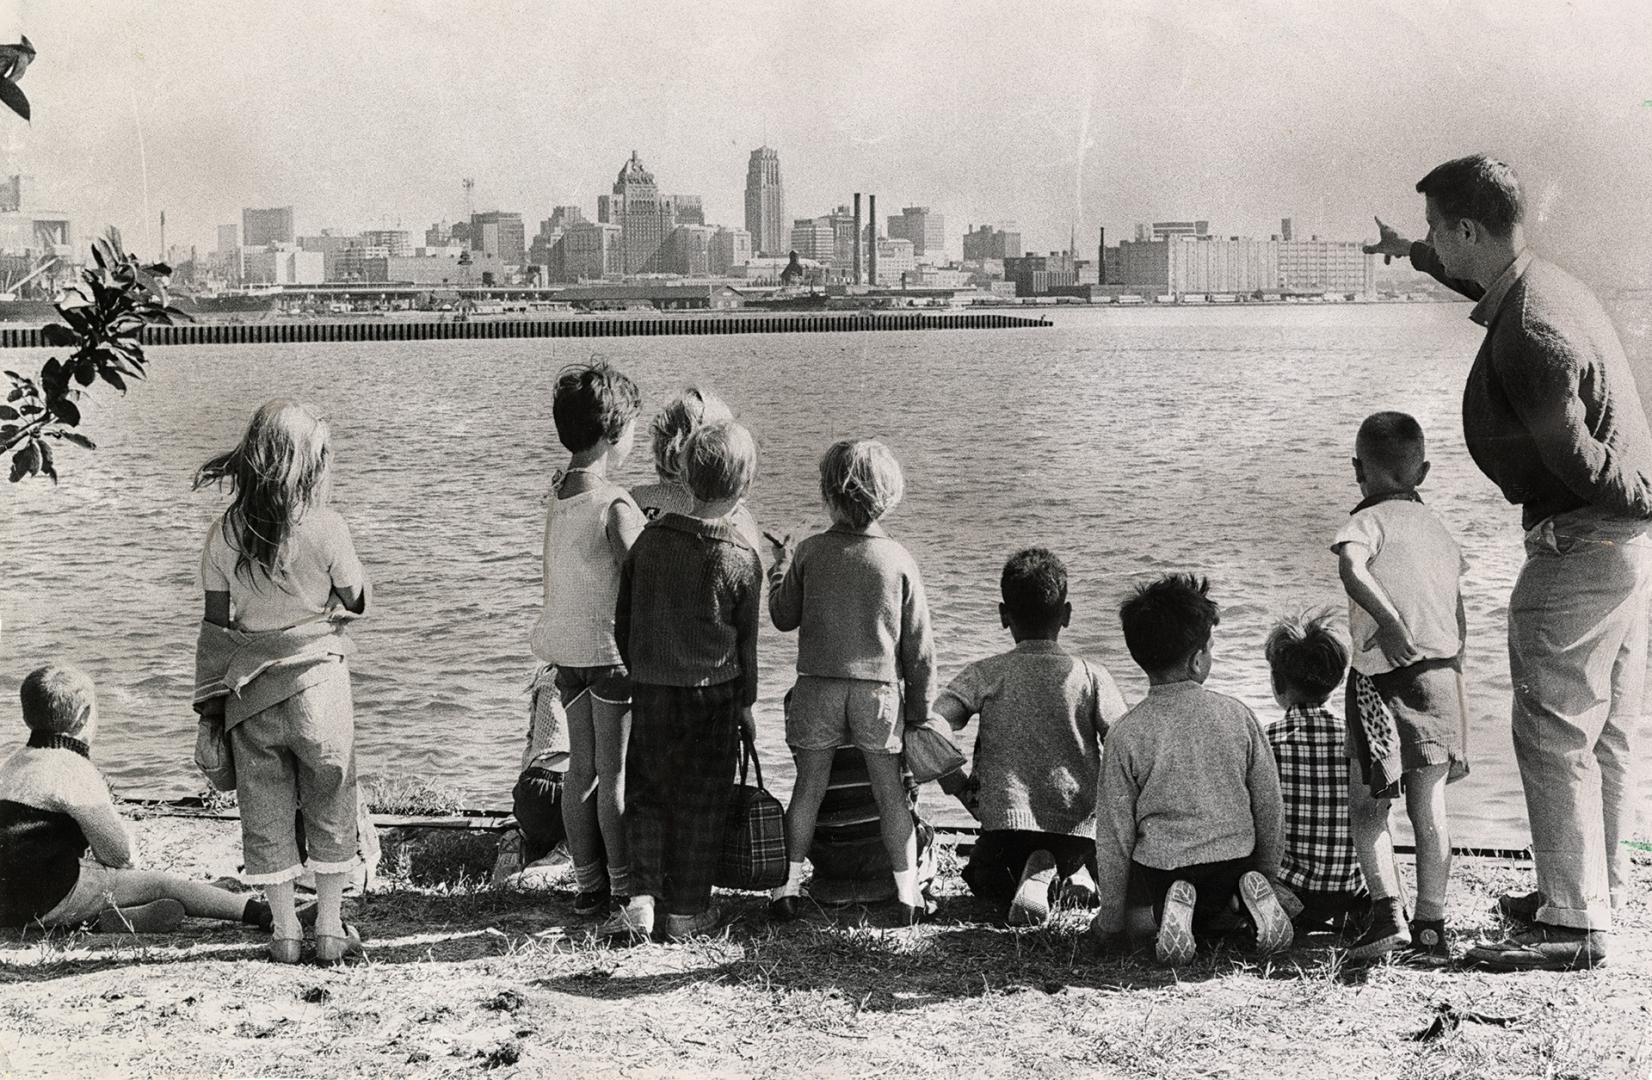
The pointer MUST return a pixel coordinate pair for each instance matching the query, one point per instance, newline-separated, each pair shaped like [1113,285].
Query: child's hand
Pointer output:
[1394,641]
[780,543]
[748,724]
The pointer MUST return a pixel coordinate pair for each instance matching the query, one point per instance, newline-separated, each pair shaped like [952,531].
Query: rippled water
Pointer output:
[1129,441]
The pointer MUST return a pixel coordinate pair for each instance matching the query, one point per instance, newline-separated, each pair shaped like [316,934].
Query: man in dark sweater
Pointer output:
[1552,415]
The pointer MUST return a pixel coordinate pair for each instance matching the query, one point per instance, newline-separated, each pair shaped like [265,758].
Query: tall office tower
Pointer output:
[645,220]
[1287,229]
[925,228]
[261,228]
[501,233]
[765,203]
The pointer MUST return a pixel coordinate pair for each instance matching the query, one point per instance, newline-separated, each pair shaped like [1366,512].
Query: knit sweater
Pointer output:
[1187,777]
[688,605]
[54,804]
[855,598]
[1551,412]
[1043,715]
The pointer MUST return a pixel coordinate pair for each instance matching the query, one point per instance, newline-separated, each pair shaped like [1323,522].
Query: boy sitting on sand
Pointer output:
[1043,715]
[1189,812]
[54,805]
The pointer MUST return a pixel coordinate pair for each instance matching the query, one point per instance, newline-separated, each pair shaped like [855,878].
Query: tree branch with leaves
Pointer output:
[104,315]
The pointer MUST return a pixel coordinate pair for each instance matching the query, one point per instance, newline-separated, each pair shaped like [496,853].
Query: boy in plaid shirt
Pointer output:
[1319,868]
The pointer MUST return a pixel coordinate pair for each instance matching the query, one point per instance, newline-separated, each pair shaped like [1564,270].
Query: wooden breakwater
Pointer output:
[274,332]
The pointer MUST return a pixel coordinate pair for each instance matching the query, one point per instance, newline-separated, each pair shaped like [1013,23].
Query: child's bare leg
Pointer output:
[611,724]
[579,812]
[1425,803]
[1373,843]
[814,774]
[900,838]
[135,887]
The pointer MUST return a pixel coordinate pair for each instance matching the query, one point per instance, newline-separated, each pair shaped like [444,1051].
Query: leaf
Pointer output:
[113,379]
[26,462]
[15,99]
[86,371]
[8,413]
[98,247]
[66,411]
[78,439]
[46,465]
[159,269]
[58,334]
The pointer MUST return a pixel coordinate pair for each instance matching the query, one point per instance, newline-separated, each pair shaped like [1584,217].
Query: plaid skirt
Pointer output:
[679,776]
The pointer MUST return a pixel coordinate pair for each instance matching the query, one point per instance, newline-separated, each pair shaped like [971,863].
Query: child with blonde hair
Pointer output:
[686,624]
[281,578]
[865,659]
[590,524]
[685,414]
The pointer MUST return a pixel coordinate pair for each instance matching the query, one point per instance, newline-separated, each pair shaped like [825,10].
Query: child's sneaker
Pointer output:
[1273,926]
[1079,891]
[1175,945]
[593,902]
[1386,933]
[681,927]
[634,921]
[1031,906]
[1429,947]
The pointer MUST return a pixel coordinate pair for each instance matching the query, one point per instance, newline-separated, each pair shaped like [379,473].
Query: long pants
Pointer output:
[1213,883]
[685,742]
[1577,658]
[1000,856]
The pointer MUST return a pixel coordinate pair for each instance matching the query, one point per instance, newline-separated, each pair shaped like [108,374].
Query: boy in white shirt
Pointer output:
[1406,718]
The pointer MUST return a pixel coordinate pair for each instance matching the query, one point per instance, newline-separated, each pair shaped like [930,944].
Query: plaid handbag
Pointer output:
[754,840]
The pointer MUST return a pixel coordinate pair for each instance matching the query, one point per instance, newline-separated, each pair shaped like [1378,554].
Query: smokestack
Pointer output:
[1101,258]
[163,236]
[855,278]
[872,240]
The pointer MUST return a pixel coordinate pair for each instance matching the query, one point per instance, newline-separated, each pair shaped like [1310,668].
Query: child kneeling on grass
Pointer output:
[1043,715]
[686,625]
[1189,812]
[1319,867]
[55,805]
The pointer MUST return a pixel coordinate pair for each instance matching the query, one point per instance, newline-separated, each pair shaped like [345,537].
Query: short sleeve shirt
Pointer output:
[319,558]
[1418,564]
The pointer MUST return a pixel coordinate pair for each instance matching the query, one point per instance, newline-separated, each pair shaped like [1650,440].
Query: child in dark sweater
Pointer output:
[686,626]
[1043,715]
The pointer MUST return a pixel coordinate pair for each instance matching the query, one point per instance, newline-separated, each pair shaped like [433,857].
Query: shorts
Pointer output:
[537,803]
[609,683]
[824,714]
[88,899]
[1426,699]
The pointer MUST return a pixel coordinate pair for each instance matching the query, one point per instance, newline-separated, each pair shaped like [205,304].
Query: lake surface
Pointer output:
[1131,442]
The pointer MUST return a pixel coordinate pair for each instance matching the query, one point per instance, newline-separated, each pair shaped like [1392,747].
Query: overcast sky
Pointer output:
[369,113]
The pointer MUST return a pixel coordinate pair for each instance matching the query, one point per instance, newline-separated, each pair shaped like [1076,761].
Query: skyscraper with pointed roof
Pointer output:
[765,203]
[644,218]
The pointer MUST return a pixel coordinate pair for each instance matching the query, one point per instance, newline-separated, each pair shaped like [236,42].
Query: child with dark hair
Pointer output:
[1407,724]
[1189,811]
[590,525]
[1319,868]
[1043,715]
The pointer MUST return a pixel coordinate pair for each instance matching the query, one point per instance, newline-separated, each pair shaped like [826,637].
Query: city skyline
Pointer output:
[1059,122]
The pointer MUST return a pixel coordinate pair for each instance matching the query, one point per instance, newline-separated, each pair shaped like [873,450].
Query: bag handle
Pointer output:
[748,752]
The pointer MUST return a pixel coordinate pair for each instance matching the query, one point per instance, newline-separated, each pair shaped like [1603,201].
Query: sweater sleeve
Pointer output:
[1423,258]
[747,612]
[786,590]
[917,649]
[1267,807]
[87,801]
[1115,833]
[1543,377]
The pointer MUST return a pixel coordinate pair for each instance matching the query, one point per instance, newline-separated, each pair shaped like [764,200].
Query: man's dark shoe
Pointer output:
[1542,948]
[1386,933]
[1521,907]
[783,908]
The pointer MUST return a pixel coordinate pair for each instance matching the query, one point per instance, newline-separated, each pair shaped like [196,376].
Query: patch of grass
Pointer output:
[412,796]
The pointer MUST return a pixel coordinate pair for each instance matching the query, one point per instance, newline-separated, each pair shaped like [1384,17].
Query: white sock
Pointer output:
[906,888]
[794,882]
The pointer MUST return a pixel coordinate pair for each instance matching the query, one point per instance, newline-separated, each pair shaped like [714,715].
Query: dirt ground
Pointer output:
[464,980]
